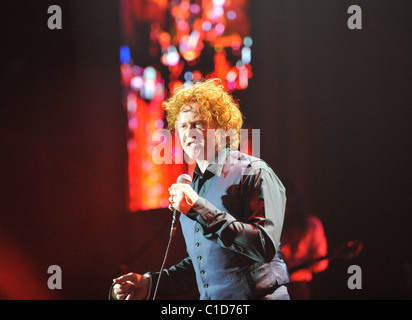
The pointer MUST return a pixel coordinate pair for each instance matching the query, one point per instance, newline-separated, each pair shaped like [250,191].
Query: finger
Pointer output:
[174,206]
[120,289]
[121,296]
[129,296]
[174,192]
[178,185]
[127,277]
[180,188]
[119,279]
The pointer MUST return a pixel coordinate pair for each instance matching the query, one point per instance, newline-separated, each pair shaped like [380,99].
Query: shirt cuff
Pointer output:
[149,291]
[207,214]
[202,211]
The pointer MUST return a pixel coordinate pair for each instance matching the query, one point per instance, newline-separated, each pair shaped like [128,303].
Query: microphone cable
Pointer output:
[172,233]
[183,178]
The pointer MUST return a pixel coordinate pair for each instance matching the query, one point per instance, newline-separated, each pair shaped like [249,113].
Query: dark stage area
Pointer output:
[333,106]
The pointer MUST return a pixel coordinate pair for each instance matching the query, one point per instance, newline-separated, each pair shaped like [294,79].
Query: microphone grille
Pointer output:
[184,178]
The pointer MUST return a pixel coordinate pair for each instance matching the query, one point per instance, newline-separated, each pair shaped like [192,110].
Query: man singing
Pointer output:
[232,214]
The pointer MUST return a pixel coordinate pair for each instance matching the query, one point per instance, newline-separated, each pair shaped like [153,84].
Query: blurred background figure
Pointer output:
[304,245]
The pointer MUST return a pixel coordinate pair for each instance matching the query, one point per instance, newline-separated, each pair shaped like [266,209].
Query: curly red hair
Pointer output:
[214,103]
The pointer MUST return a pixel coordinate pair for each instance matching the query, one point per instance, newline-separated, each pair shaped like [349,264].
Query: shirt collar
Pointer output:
[216,166]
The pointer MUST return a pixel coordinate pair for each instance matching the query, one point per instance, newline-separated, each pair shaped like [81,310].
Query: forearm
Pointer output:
[248,238]
[178,279]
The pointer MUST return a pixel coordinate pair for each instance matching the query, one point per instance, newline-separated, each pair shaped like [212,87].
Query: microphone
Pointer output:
[183,178]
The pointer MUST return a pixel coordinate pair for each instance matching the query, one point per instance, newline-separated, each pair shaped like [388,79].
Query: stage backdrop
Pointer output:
[333,106]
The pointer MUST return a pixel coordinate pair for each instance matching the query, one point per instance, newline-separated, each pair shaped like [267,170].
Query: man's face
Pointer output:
[193,133]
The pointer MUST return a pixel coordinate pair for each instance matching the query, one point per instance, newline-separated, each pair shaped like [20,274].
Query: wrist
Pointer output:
[147,278]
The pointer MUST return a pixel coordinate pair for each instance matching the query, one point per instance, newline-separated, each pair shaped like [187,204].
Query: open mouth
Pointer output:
[191,144]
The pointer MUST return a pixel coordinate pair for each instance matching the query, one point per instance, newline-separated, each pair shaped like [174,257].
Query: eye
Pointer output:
[200,124]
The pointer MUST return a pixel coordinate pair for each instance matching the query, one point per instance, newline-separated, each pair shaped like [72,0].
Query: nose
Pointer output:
[191,135]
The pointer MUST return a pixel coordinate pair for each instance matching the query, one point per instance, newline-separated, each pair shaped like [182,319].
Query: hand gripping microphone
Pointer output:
[183,178]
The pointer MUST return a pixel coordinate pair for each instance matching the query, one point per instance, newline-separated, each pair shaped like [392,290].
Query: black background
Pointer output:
[333,106]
